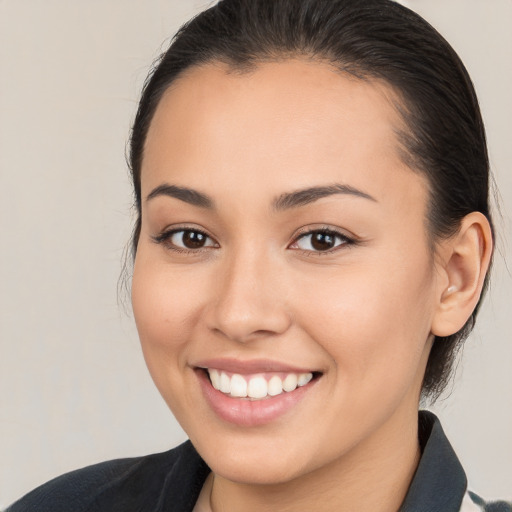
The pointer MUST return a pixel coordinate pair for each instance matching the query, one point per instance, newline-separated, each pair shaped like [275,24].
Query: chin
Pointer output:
[262,459]
[245,469]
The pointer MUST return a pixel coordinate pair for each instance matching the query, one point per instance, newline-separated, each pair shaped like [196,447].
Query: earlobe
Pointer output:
[465,261]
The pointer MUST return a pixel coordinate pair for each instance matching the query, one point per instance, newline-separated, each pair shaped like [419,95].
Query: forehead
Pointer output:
[275,93]
[293,121]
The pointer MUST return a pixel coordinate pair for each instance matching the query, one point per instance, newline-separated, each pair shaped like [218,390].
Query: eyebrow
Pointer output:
[285,201]
[312,194]
[188,195]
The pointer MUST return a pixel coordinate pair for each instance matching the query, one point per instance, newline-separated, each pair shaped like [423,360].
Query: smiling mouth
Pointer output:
[256,392]
[259,386]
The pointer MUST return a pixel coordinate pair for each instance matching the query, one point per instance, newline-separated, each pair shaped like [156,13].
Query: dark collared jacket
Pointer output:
[171,482]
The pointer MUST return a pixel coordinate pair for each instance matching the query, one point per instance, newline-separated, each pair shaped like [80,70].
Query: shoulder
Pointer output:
[141,483]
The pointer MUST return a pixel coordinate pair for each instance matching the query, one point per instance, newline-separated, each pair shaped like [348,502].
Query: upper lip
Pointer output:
[250,366]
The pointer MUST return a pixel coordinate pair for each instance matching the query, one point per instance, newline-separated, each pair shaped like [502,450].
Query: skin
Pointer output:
[363,314]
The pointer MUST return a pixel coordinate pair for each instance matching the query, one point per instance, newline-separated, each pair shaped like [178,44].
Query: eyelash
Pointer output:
[346,241]
[164,239]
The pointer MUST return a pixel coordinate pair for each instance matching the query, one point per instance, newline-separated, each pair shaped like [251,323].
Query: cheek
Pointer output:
[164,304]
[161,296]
[372,322]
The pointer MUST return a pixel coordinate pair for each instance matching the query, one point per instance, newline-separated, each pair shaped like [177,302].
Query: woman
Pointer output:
[312,244]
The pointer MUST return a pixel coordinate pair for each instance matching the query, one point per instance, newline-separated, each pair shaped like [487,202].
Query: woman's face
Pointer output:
[283,238]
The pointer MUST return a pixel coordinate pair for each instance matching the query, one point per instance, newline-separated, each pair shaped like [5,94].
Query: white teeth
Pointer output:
[256,387]
[304,378]
[215,378]
[238,386]
[275,386]
[290,382]
[225,383]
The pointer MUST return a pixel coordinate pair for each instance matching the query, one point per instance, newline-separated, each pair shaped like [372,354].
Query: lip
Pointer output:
[232,365]
[244,412]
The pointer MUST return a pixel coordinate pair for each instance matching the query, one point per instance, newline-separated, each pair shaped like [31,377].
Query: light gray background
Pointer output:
[73,386]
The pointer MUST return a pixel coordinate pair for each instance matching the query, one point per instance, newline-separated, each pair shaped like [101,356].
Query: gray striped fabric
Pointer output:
[473,503]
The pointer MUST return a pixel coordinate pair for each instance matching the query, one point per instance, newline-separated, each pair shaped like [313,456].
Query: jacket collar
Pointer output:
[439,483]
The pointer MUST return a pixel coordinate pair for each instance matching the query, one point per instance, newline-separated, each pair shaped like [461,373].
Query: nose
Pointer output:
[249,302]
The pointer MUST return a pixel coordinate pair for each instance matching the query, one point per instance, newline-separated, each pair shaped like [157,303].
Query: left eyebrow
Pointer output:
[312,194]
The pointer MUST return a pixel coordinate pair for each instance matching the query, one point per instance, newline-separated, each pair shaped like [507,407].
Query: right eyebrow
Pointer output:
[188,195]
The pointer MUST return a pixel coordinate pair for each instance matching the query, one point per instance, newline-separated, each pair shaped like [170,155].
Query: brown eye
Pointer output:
[193,239]
[321,241]
[185,239]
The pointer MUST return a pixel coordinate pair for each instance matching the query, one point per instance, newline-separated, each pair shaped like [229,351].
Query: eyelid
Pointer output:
[166,234]
[348,239]
[325,228]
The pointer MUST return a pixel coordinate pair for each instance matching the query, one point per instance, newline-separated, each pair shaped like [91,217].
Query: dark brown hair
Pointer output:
[371,39]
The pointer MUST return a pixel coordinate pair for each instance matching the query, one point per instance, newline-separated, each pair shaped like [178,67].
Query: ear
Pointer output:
[463,262]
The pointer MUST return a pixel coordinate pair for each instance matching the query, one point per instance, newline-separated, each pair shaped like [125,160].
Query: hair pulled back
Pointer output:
[372,39]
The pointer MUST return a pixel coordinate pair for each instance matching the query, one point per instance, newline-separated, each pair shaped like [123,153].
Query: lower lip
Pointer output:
[250,413]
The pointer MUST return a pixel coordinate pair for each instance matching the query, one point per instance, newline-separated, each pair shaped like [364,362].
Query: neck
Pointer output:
[375,476]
